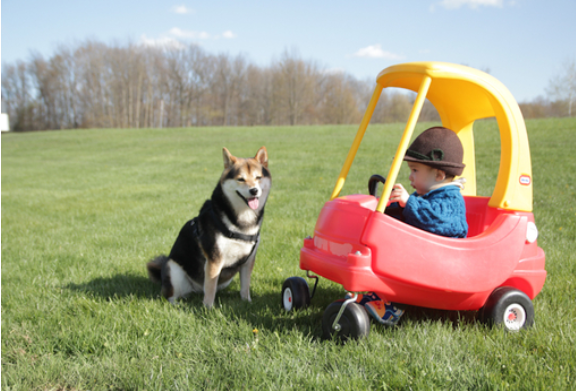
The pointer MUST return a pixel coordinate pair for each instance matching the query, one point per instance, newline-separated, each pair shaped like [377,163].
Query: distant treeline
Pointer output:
[96,85]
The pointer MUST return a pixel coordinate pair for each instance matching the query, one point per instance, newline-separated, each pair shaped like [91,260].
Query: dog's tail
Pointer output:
[155,268]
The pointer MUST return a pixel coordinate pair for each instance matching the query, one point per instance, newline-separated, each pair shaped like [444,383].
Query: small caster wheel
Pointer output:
[510,308]
[295,294]
[353,324]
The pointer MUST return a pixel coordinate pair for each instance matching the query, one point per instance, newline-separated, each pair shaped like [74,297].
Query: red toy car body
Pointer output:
[353,245]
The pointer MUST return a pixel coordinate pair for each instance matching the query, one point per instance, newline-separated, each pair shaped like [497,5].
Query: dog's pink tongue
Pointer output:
[253,203]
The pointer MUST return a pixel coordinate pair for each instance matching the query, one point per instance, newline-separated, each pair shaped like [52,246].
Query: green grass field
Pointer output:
[83,211]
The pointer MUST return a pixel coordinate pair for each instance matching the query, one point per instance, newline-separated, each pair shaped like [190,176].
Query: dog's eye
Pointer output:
[241,180]
[258,178]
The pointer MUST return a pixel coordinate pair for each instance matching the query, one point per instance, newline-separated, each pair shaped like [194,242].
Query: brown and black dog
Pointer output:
[223,239]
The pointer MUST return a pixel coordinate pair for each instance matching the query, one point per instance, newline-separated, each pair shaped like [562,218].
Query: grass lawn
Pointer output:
[83,211]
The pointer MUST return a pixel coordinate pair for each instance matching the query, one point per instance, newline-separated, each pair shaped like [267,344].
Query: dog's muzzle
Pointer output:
[252,202]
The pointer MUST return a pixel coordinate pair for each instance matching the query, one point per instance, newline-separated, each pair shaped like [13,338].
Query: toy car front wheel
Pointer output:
[509,307]
[295,293]
[353,324]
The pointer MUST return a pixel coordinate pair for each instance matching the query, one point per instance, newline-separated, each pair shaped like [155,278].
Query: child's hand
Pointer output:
[399,195]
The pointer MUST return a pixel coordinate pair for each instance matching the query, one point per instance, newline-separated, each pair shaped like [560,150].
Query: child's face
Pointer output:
[423,178]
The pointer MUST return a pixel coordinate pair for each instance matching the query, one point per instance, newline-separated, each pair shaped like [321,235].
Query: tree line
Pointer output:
[95,85]
[98,85]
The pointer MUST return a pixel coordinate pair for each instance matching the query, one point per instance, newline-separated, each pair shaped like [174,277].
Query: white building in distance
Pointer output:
[5,123]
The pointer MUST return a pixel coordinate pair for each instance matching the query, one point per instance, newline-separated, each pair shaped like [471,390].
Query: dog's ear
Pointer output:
[228,158]
[262,157]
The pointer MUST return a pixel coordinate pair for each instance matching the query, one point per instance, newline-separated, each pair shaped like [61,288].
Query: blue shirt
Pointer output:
[441,211]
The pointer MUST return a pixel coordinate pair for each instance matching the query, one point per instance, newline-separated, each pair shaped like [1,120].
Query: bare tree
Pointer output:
[563,86]
[295,81]
[338,101]
[16,95]
[256,98]
[228,78]
[93,93]
[196,83]
[47,75]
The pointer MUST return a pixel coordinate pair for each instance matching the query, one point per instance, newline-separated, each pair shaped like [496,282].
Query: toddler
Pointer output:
[437,206]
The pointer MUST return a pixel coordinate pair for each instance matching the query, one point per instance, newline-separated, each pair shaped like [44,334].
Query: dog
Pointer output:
[223,239]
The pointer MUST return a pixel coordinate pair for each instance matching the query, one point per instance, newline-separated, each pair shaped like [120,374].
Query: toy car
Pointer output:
[497,270]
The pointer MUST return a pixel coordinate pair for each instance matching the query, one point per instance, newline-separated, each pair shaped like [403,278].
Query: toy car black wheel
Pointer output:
[353,324]
[510,308]
[295,293]
[373,183]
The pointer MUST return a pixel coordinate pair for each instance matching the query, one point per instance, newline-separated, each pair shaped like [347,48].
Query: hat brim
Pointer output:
[450,168]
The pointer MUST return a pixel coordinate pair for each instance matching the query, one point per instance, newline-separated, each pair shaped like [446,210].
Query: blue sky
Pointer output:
[522,42]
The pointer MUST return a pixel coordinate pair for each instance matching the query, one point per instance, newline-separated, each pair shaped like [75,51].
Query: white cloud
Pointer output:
[454,4]
[164,42]
[173,38]
[182,10]
[375,51]
[228,34]
[177,32]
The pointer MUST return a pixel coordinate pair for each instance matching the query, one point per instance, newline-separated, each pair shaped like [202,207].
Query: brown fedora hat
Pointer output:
[438,147]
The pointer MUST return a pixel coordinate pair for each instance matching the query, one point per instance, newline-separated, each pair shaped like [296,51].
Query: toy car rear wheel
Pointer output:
[295,293]
[510,308]
[353,324]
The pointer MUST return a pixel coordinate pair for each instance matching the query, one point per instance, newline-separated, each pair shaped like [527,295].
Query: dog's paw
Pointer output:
[208,304]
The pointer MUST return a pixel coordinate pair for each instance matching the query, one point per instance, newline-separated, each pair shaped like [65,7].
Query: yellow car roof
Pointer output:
[462,95]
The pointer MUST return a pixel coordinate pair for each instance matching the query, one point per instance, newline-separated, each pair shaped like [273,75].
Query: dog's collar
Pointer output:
[224,230]
[220,226]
